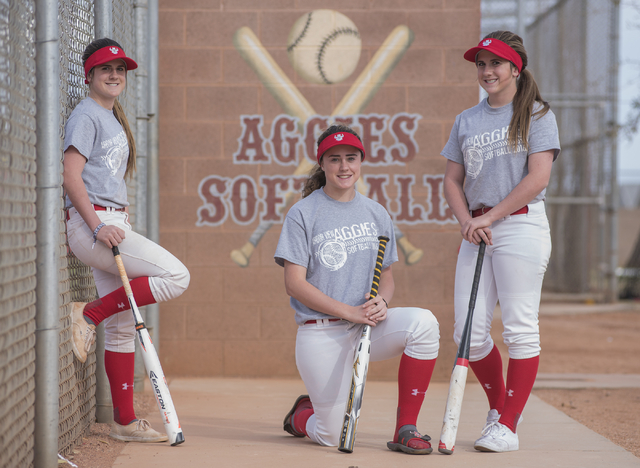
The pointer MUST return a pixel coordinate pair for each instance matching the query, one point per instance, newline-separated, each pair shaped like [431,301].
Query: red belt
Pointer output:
[316,321]
[485,209]
[100,208]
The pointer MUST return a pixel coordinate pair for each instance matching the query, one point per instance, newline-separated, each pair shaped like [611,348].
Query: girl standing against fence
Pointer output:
[99,151]
[328,248]
[500,154]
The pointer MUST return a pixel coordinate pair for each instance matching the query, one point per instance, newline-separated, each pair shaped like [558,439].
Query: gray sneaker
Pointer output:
[138,431]
[497,437]
[84,334]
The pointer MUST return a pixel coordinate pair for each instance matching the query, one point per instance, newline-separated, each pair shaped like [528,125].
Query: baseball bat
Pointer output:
[152,363]
[360,365]
[295,104]
[460,369]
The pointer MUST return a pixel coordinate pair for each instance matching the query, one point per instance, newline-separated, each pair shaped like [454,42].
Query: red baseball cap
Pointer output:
[342,138]
[107,54]
[497,47]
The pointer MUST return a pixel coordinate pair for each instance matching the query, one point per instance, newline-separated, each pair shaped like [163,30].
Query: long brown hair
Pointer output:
[317,177]
[527,93]
[118,111]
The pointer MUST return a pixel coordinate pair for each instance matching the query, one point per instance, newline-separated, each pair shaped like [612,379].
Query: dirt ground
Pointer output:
[595,343]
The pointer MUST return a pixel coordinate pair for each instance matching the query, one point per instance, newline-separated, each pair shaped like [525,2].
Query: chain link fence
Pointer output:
[573,55]
[572,49]
[17,232]
[77,381]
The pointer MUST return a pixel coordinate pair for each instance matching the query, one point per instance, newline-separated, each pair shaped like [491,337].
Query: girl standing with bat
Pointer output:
[500,154]
[99,151]
[328,248]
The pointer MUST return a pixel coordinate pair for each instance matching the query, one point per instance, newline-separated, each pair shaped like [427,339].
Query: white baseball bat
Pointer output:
[460,370]
[360,365]
[152,363]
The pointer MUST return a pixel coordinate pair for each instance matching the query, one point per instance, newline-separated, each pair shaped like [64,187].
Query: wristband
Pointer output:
[95,235]
[385,302]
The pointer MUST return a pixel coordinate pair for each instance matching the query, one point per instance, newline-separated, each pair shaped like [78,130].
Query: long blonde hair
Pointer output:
[118,111]
[527,93]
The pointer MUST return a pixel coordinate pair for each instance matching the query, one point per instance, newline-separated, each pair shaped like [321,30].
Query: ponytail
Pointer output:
[316,180]
[118,113]
[527,94]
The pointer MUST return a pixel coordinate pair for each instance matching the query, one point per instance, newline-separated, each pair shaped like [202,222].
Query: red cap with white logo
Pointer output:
[107,54]
[497,47]
[335,139]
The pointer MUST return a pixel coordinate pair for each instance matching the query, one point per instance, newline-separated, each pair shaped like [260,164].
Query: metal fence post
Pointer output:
[103,21]
[48,214]
[153,224]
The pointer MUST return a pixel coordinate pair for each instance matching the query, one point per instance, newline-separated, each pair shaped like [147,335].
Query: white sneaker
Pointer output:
[138,431]
[83,333]
[494,417]
[497,437]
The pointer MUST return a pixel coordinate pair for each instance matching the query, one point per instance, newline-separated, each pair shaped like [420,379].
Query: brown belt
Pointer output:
[485,209]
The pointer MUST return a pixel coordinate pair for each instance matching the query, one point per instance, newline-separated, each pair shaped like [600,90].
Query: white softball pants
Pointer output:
[168,277]
[325,352]
[512,273]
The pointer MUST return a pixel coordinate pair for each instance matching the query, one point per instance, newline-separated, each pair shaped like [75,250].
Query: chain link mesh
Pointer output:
[569,45]
[124,32]
[570,54]
[77,380]
[17,232]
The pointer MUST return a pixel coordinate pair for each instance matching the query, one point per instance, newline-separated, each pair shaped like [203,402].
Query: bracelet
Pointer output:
[385,302]
[95,234]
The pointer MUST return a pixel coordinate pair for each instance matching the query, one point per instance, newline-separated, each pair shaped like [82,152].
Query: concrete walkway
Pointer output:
[238,423]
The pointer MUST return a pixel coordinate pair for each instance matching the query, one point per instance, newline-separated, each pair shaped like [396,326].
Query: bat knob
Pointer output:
[412,254]
[241,256]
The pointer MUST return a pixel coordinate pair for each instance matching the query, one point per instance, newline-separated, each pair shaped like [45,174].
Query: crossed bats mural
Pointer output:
[324,47]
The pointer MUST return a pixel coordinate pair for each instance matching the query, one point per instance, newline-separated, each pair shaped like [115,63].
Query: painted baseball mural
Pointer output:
[248,89]
[324,48]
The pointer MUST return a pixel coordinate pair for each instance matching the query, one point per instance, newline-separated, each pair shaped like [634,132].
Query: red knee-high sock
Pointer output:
[119,367]
[414,376]
[521,375]
[489,374]
[117,301]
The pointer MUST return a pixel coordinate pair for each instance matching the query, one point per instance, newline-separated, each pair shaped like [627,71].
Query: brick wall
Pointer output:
[237,321]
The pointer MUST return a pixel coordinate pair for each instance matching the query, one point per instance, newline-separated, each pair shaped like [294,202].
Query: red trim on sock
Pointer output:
[414,376]
[117,301]
[521,375]
[119,367]
[489,374]
[300,419]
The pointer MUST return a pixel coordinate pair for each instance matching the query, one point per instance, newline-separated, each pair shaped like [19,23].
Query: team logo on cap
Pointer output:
[114,50]
[487,42]
[338,136]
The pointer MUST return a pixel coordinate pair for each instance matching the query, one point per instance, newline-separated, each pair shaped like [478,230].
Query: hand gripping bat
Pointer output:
[360,365]
[152,363]
[460,370]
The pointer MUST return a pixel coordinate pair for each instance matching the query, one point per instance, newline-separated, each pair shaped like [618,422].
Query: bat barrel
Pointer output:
[360,366]
[460,369]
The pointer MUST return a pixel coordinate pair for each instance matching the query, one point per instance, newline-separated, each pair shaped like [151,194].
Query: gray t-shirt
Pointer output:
[337,242]
[478,140]
[99,137]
